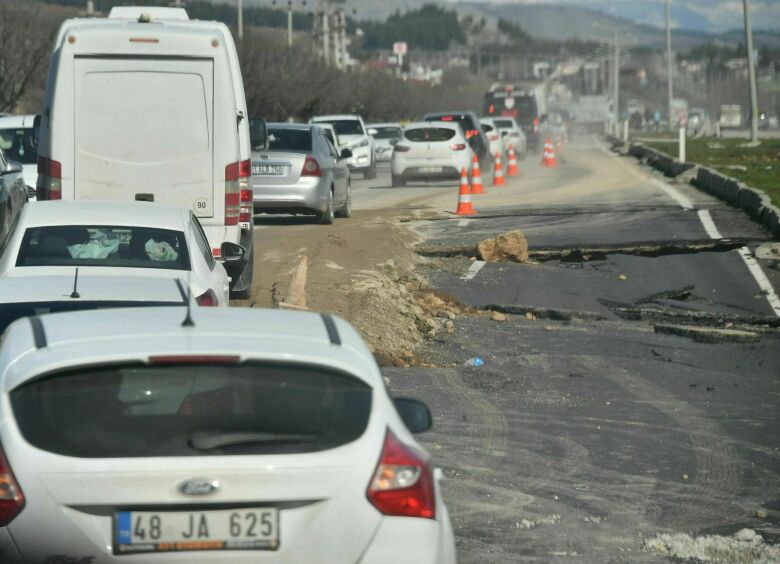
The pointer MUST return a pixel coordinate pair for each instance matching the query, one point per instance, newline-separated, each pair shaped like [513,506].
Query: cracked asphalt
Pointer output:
[589,428]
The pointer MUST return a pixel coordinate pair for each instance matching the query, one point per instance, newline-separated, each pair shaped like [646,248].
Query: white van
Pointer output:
[149,105]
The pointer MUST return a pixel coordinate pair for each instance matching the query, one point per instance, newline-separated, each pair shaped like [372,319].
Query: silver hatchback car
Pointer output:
[301,172]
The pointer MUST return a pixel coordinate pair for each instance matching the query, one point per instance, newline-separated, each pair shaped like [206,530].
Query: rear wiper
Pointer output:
[209,440]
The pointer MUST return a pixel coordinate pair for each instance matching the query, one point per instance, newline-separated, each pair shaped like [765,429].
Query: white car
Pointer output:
[70,292]
[17,140]
[511,134]
[240,435]
[385,136]
[120,240]
[493,136]
[353,135]
[430,150]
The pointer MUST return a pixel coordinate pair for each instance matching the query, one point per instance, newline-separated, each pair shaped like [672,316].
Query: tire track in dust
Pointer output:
[716,478]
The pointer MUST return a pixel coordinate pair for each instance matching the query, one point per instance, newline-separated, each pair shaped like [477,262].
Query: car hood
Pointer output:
[347,140]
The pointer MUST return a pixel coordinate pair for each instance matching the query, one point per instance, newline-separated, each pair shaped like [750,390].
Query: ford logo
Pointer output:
[199,486]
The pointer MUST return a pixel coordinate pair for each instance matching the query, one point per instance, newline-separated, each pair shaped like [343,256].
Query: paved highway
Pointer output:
[631,391]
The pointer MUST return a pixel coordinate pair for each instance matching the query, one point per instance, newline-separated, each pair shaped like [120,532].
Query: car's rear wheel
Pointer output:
[327,217]
[346,209]
[397,181]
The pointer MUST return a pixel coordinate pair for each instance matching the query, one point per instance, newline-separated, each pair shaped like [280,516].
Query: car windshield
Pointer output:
[11,312]
[388,133]
[17,143]
[429,134]
[100,245]
[504,124]
[346,126]
[169,409]
[289,139]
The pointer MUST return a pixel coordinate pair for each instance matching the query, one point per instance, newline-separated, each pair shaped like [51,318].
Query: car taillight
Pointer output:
[536,124]
[491,109]
[311,167]
[49,185]
[494,137]
[458,146]
[207,299]
[401,148]
[403,482]
[11,496]
[232,193]
[246,207]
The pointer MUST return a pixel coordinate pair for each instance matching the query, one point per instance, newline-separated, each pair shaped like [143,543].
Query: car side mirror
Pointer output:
[415,414]
[346,153]
[258,134]
[233,258]
[504,133]
[12,167]
[372,132]
[36,130]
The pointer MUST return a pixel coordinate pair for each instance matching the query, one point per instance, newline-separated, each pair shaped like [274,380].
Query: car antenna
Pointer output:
[188,322]
[75,293]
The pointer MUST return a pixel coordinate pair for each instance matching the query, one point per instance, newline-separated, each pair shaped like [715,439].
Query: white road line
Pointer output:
[684,202]
[464,222]
[763,281]
[474,269]
[709,224]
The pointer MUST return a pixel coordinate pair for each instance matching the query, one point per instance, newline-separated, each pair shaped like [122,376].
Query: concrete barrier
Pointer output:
[753,201]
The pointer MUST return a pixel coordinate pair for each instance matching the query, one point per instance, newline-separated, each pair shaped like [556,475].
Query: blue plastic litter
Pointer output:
[475,361]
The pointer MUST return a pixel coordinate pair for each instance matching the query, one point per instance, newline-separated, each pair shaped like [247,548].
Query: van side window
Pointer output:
[202,242]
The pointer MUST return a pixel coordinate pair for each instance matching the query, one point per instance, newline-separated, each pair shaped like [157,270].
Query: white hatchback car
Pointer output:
[237,435]
[430,150]
[121,240]
[511,134]
[352,135]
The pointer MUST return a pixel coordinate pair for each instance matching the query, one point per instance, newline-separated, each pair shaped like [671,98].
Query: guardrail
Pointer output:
[735,193]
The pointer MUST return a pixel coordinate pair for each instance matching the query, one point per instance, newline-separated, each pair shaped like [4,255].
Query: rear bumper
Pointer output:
[361,158]
[411,539]
[419,173]
[307,194]
[383,155]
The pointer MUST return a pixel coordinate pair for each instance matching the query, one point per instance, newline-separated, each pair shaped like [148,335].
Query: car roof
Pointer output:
[89,212]
[61,341]
[440,124]
[389,124]
[285,125]
[456,113]
[25,121]
[33,287]
[336,117]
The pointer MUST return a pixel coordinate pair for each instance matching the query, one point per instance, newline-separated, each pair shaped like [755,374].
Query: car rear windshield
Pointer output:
[18,146]
[11,312]
[192,410]
[504,124]
[295,140]
[429,134]
[388,133]
[96,245]
[486,127]
[346,126]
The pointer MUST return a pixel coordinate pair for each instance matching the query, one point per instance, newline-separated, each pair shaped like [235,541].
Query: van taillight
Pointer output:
[403,482]
[536,124]
[11,496]
[311,167]
[246,210]
[49,185]
[207,299]
[232,193]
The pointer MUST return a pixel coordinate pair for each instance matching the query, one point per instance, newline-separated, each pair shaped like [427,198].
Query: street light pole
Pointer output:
[751,75]
[669,71]
[289,23]
[240,20]
[616,85]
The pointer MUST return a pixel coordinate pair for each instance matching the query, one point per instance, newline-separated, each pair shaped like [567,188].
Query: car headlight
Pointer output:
[363,143]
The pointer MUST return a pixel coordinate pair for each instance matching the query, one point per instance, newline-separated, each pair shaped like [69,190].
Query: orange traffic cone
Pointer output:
[548,158]
[476,177]
[464,196]
[511,166]
[498,173]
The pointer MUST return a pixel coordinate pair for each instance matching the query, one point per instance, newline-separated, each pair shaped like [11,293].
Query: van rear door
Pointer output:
[144,130]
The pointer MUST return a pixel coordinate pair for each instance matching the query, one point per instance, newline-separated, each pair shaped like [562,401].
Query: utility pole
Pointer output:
[240,20]
[751,75]
[336,40]
[669,70]
[289,23]
[344,54]
[616,85]
[325,36]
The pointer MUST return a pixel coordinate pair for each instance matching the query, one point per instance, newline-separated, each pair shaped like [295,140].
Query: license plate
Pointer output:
[431,169]
[172,531]
[268,170]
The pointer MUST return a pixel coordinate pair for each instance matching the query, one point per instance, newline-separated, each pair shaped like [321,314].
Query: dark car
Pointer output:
[13,195]
[469,123]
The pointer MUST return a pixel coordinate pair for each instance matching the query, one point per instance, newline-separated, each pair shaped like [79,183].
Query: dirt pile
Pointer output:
[506,247]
